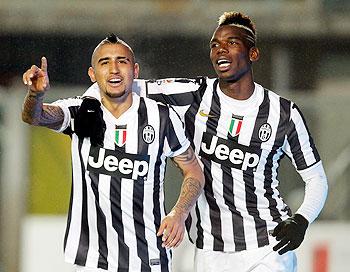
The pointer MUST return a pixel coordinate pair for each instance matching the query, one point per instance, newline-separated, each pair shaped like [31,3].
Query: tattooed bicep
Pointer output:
[52,117]
[186,157]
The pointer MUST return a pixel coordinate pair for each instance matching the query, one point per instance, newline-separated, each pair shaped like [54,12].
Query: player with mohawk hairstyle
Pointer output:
[120,144]
[240,131]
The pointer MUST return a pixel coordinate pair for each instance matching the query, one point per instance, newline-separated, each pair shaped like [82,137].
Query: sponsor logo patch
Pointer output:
[203,114]
[229,153]
[118,164]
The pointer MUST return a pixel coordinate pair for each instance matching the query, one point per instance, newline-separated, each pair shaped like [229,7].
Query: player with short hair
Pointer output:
[117,219]
[240,131]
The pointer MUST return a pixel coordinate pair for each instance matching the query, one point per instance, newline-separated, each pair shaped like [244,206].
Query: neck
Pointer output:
[240,90]
[117,106]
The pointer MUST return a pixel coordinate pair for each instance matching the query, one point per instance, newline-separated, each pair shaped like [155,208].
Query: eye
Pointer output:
[232,42]
[214,45]
[104,62]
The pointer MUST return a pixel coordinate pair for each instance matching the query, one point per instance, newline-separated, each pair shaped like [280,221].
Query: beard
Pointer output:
[116,95]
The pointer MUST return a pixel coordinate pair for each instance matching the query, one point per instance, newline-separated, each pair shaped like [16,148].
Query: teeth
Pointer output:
[115,80]
[223,61]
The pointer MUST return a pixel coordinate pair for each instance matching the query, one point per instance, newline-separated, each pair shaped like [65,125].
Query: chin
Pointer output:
[116,95]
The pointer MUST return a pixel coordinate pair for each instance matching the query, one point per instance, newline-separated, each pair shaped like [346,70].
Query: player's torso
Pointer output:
[122,186]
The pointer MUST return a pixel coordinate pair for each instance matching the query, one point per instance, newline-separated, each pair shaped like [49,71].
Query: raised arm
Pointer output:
[173,225]
[34,111]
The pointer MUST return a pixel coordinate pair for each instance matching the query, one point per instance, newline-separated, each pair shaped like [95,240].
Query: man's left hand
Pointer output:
[172,229]
[290,233]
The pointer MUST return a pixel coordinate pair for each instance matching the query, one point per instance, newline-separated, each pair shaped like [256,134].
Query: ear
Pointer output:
[136,70]
[254,54]
[91,73]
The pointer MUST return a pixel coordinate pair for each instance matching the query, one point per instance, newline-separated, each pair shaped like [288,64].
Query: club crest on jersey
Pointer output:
[148,134]
[265,131]
[120,135]
[235,125]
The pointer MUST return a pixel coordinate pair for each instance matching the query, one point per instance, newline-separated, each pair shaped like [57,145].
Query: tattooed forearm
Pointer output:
[190,191]
[36,113]
[193,182]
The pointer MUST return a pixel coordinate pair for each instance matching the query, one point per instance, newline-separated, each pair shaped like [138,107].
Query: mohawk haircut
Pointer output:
[239,20]
[113,39]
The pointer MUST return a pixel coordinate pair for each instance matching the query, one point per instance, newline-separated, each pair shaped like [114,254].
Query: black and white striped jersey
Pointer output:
[240,145]
[117,198]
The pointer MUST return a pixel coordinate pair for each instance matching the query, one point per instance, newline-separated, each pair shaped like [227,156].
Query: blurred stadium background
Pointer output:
[305,47]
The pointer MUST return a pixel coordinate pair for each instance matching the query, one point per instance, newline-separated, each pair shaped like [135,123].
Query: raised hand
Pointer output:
[37,79]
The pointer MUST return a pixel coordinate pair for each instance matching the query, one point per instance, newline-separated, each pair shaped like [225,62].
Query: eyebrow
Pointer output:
[118,58]
[228,38]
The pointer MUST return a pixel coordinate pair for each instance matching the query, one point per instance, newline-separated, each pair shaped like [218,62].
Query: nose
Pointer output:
[113,68]
[222,48]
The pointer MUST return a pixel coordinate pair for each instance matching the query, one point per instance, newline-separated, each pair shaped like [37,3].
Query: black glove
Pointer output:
[89,121]
[290,233]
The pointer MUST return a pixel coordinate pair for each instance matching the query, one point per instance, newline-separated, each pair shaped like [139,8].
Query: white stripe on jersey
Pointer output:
[113,219]
[241,201]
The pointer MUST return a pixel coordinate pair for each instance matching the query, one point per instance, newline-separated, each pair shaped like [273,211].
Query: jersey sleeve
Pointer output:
[179,93]
[316,190]
[69,107]
[176,141]
[300,146]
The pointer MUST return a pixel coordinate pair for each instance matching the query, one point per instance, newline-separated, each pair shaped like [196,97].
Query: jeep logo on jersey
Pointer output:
[117,164]
[228,153]
[265,132]
[148,134]
[120,135]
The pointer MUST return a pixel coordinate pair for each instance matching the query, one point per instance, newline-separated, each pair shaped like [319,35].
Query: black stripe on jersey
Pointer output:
[296,154]
[173,142]
[192,111]
[281,131]
[214,210]
[164,262]
[101,224]
[248,176]
[183,99]
[117,223]
[117,220]
[73,112]
[228,194]
[138,195]
[69,218]
[84,239]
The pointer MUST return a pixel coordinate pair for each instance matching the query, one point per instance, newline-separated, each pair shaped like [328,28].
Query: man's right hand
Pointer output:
[37,79]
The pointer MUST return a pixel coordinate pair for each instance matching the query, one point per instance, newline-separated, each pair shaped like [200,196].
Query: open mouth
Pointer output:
[223,64]
[115,81]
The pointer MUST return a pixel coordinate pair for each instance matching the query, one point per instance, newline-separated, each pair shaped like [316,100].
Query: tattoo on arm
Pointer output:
[190,190]
[186,158]
[36,113]
[193,182]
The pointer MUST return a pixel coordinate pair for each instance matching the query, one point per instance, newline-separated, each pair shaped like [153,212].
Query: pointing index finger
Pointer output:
[44,64]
